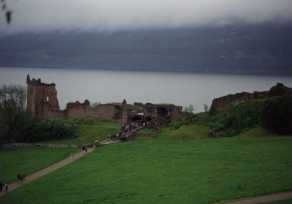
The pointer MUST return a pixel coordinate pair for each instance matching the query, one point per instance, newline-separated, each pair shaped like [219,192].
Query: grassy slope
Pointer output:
[26,160]
[185,132]
[88,133]
[258,132]
[169,170]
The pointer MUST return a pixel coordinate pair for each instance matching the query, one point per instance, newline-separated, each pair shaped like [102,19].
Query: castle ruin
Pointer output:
[226,102]
[42,102]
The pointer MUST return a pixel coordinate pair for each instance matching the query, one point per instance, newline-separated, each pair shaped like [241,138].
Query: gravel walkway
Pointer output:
[273,197]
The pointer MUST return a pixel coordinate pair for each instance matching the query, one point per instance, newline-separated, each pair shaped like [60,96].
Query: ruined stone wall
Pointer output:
[42,102]
[107,112]
[176,112]
[160,111]
[41,98]
[77,109]
[226,102]
[32,100]
[102,111]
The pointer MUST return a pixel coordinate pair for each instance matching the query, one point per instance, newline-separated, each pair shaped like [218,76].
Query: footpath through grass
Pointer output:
[168,170]
[26,160]
[283,202]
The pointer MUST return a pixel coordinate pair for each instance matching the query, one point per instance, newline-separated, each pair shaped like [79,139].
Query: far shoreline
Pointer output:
[48,67]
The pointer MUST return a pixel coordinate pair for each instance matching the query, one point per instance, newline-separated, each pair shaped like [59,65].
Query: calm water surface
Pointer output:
[114,86]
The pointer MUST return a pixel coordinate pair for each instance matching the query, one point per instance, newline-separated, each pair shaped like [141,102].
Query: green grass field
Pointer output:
[26,160]
[88,132]
[258,132]
[177,166]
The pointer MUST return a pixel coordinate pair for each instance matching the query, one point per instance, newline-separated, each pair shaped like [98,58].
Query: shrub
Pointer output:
[50,129]
[190,118]
[242,116]
[189,109]
[277,115]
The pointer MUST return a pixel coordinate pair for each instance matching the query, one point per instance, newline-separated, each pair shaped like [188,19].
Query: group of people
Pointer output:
[85,147]
[128,130]
[20,177]
[3,187]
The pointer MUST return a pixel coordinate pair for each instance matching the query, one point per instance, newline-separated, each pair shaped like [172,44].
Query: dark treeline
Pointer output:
[17,125]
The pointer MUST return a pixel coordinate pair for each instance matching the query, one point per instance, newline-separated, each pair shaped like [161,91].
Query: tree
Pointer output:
[206,108]
[13,117]
[13,96]
[17,125]
[189,108]
[277,115]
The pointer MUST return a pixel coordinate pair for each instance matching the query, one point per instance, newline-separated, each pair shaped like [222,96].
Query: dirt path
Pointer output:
[109,141]
[10,145]
[14,185]
[263,199]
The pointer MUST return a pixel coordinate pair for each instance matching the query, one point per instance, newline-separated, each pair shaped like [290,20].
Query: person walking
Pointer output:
[6,187]
[20,177]
[1,186]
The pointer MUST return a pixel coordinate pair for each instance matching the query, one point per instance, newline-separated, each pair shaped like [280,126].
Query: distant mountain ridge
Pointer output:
[242,49]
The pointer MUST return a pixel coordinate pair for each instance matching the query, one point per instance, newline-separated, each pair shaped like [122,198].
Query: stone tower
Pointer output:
[124,118]
[42,98]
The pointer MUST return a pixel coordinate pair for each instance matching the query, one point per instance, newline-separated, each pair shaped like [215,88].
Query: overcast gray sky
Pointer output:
[120,14]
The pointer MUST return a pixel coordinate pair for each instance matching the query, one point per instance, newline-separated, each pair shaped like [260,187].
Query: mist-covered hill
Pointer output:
[244,48]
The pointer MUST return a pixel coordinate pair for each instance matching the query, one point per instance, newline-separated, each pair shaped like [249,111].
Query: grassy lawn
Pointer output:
[89,131]
[258,132]
[26,160]
[178,166]
[185,132]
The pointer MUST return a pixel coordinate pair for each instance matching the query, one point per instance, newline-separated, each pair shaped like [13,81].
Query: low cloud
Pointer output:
[36,15]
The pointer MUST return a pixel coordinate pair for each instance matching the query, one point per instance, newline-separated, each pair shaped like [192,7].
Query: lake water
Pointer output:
[114,86]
